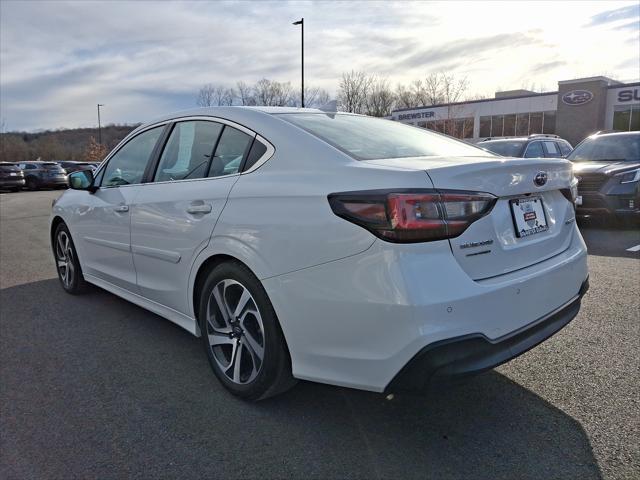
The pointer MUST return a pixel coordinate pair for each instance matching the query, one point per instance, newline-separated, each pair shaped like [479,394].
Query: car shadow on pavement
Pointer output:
[94,386]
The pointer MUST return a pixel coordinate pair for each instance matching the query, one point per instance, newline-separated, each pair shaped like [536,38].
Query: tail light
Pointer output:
[571,193]
[410,216]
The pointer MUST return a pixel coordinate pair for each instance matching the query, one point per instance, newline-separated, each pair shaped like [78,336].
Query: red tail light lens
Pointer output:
[409,216]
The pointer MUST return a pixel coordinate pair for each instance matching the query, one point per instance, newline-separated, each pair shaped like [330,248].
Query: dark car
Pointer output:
[70,166]
[534,146]
[607,167]
[43,175]
[11,177]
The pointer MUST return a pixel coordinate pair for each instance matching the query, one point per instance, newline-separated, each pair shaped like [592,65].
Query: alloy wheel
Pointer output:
[235,331]
[64,259]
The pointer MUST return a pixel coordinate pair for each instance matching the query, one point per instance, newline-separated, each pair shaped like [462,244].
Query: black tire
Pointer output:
[274,372]
[66,252]
[15,189]
[32,184]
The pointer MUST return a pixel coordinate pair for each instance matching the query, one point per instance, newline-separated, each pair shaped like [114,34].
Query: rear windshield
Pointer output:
[367,138]
[504,148]
[610,148]
[51,166]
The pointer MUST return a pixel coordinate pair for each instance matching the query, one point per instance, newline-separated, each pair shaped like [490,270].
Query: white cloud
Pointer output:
[58,59]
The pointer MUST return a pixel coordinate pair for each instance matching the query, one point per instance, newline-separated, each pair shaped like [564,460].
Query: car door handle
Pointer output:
[199,208]
[122,208]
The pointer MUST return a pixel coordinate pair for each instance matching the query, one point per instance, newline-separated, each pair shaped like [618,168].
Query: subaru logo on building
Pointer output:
[540,179]
[577,97]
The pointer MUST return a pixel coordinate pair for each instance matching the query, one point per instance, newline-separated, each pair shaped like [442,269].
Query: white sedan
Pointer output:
[337,248]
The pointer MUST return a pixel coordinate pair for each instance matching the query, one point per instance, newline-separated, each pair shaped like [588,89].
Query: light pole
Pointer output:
[301,23]
[99,125]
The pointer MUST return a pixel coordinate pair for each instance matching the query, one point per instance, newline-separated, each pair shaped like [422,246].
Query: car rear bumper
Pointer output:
[475,353]
[358,321]
[54,182]
[11,182]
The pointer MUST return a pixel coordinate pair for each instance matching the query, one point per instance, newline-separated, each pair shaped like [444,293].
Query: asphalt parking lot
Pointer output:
[93,386]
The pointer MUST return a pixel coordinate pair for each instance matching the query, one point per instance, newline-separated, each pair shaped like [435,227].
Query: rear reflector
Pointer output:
[409,216]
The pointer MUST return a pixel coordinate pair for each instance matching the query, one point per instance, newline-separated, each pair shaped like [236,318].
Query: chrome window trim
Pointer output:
[209,118]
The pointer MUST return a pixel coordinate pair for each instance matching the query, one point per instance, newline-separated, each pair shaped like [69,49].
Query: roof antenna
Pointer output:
[331,106]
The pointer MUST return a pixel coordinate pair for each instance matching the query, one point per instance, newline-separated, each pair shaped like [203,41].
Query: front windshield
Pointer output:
[609,148]
[368,138]
[504,148]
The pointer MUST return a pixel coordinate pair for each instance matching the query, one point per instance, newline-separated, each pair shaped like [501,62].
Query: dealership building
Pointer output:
[576,110]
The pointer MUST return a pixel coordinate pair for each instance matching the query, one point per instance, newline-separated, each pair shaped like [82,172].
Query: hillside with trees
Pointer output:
[68,144]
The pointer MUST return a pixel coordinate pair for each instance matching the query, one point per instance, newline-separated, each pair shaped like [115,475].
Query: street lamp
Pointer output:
[301,23]
[99,125]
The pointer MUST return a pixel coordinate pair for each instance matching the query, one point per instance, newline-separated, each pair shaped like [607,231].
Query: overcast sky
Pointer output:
[142,59]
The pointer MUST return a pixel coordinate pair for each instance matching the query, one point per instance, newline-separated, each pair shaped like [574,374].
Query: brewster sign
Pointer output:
[411,116]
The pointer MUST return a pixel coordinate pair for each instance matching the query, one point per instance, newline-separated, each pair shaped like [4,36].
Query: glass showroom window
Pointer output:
[485,126]
[535,122]
[468,127]
[549,122]
[496,126]
[522,124]
[509,126]
[626,118]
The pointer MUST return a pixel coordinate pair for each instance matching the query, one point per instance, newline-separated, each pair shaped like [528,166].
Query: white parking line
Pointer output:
[634,249]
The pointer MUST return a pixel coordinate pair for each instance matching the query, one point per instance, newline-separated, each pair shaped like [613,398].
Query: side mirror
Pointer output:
[81,180]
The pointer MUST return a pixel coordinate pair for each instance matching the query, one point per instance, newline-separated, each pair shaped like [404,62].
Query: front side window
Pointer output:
[534,150]
[188,151]
[367,138]
[127,166]
[230,152]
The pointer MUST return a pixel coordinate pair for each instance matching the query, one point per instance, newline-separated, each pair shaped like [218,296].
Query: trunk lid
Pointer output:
[491,246]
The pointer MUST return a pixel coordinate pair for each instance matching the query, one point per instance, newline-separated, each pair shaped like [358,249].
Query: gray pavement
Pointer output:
[92,386]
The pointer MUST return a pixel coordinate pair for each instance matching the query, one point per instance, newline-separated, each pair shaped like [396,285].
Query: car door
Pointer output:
[174,214]
[101,227]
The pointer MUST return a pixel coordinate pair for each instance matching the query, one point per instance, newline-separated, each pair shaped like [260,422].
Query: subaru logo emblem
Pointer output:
[577,97]
[540,179]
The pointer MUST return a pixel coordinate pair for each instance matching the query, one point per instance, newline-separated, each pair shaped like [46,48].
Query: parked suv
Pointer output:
[43,174]
[534,146]
[11,177]
[607,166]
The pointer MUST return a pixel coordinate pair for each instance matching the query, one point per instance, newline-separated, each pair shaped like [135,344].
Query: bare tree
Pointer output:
[313,97]
[353,90]
[245,94]
[405,98]
[263,92]
[206,95]
[282,94]
[380,97]
[433,89]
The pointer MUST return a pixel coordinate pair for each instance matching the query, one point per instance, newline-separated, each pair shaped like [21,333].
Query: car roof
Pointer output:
[235,113]
[615,134]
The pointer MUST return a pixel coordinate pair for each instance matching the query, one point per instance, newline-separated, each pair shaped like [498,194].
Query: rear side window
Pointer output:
[128,164]
[505,148]
[258,149]
[534,150]
[188,151]
[552,149]
[231,150]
